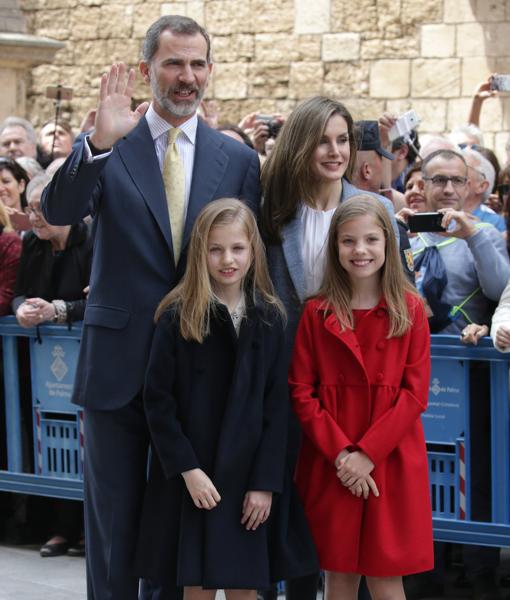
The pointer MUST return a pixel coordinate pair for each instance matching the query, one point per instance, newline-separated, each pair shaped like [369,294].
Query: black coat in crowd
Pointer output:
[61,275]
[221,406]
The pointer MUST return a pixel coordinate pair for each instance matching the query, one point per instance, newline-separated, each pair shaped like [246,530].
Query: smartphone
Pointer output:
[500,83]
[20,221]
[58,92]
[430,221]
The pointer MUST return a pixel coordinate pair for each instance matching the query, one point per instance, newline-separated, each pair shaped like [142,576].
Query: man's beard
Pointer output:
[184,108]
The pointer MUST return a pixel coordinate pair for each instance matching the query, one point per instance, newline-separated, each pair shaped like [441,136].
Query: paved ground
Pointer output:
[24,575]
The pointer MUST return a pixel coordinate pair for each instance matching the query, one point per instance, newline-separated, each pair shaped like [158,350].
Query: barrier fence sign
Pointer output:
[443,422]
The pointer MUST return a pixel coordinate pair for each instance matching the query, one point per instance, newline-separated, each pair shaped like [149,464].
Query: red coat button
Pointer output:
[379,376]
[380,312]
[341,378]
[380,345]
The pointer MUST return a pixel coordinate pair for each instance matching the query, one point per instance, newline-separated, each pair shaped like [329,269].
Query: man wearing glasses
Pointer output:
[461,272]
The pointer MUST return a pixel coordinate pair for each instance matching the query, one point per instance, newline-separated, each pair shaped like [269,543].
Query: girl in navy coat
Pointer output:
[216,403]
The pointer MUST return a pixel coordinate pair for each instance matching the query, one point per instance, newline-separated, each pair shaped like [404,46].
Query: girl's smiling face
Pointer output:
[361,248]
[229,256]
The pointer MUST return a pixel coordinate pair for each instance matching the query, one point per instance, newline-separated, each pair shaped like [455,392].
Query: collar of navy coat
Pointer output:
[138,154]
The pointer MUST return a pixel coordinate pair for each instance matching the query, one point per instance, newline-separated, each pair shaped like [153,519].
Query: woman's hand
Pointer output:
[201,489]
[34,311]
[472,333]
[256,509]
[354,468]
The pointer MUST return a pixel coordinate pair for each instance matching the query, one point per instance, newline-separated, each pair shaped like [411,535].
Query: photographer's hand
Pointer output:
[259,136]
[465,223]
[114,117]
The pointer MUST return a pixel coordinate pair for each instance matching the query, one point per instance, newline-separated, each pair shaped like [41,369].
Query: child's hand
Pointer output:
[256,509]
[354,467]
[342,455]
[201,489]
[364,487]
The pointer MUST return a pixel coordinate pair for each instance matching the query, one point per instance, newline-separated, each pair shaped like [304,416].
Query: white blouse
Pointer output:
[315,236]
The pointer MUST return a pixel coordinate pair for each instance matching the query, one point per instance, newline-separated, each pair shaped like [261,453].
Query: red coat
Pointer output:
[362,390]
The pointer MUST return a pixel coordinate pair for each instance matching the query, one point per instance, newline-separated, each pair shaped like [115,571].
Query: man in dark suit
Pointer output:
[116,175]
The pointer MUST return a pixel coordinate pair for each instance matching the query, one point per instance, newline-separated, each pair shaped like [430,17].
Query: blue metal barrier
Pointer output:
[57,424]
[58,441]
[447,425]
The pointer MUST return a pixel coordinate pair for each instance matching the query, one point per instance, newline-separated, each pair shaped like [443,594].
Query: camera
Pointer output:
[273,125]
[404,125]
[500,83]
[430,221]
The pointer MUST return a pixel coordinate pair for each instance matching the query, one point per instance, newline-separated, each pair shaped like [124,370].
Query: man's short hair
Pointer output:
[444,154]
[412,154]
[484,167]
[20,122]
[65,125]
[175,24]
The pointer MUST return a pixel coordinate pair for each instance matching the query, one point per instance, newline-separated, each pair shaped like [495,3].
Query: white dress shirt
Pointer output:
[159,132]
[314,243]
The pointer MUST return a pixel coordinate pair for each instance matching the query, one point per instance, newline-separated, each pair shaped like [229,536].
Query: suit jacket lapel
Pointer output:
[209,169]
[291,244]
[138,154]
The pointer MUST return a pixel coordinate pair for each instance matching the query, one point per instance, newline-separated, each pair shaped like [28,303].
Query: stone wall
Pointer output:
[372,54]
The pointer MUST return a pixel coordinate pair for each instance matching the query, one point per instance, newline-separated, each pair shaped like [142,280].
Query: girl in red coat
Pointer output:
[359,379]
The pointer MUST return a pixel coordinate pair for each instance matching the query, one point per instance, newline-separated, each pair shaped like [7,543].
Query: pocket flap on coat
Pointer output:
[106,316]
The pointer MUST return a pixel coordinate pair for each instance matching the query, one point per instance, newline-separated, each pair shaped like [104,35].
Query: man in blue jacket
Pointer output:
[143,187]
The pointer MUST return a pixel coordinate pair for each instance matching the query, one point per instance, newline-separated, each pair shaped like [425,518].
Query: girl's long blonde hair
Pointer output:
[193,297]
[337,288]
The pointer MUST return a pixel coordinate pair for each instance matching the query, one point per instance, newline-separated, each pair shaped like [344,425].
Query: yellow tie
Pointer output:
[173,178]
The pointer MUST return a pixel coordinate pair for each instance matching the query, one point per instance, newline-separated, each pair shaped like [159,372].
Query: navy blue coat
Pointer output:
[220,406]
[133,265]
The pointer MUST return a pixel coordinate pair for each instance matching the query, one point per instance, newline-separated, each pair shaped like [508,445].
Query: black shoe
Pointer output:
[77,549]
[51,550]
[485,588]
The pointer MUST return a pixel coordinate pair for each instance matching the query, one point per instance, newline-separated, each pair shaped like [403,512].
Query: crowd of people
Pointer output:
[257,301]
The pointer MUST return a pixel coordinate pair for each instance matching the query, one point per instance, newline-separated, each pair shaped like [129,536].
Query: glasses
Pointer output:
[465,145]
[33,212]
[442,181]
